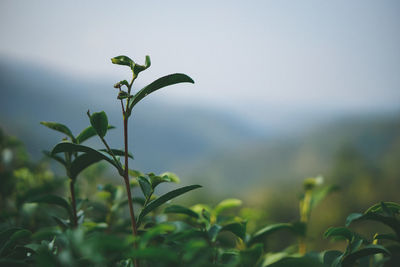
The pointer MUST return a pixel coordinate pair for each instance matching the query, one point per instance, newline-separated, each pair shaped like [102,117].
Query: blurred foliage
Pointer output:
[365,172]
[20,180]
[35,227]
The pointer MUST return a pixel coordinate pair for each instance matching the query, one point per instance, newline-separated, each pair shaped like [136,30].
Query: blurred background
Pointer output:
[284,91]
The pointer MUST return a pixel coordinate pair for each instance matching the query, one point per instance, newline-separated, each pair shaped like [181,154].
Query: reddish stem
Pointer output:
[73,203]
[127,185]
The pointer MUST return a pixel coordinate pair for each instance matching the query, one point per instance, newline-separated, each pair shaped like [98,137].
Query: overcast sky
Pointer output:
[245,56]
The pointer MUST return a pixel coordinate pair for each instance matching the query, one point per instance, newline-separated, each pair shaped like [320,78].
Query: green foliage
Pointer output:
[99,122]
[88,133]
[269,229]
[384,212]
[181,236]
[338,233]
[116,152]
[181,210]
[163,199]
[359,250]
[156,85]
[122,60]
[66,147]
[80,163]
[227,204]
[166,177]
[58,127]
[366,251]
[55,200]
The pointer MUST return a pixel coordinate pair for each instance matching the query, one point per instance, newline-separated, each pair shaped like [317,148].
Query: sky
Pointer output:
[260,59]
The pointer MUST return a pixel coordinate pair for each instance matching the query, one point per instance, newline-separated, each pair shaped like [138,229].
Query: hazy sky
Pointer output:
[246,56]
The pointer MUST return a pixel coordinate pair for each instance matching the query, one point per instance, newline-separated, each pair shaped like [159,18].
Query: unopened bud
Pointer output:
[122,95]
[117,85]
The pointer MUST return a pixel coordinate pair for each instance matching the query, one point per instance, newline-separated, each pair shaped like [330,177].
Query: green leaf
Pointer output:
[387,220]
[122,60]
[392,206]
[82,162]
[148,62]
[135,173]
[136,68]
[330,256]
[158,84]
[355,245]
[213,232]
[55,157]
[95,226]
[198,208]
[181,210]
[117,152]
[264,232]
[17,235]
[155,231]
[232,258]
[58,127]
[206,217]
[339,232]
[6,234]
[99,122]
[166,177]
[391,237]
[53,199]
[120,83]
[71,148]
[171,177]
[122,95]
[187,234]
[369,250]
[237,228]
[60,222]
[227,204]
[145,186]
[250,256]
[353,217]
[46,233]
[164,198]
[88,133]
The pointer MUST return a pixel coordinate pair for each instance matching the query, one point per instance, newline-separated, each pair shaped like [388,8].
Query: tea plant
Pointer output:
[74,163]
[366,251]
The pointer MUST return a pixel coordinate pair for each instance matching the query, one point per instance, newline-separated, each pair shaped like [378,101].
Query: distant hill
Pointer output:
[290,160]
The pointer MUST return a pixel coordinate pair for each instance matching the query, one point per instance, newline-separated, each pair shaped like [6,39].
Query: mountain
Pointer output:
[287,161]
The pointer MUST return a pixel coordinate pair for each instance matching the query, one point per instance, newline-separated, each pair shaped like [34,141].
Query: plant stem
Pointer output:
[73,203]
[74,218]
[128,186]
[126,178]
[304,216]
